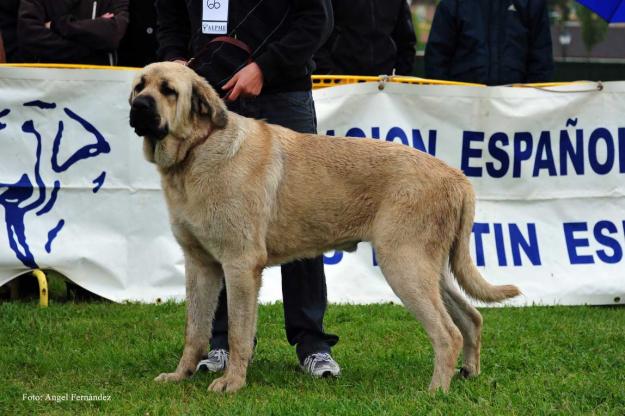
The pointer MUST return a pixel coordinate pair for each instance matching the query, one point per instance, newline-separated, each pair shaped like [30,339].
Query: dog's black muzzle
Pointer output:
[145,119]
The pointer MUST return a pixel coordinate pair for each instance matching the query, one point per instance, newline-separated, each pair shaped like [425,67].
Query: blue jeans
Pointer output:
[303,282]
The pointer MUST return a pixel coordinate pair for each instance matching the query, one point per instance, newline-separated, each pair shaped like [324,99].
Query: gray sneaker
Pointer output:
[215,362]
[321,364]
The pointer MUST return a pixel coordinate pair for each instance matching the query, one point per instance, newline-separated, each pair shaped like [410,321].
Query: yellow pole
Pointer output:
[43,287]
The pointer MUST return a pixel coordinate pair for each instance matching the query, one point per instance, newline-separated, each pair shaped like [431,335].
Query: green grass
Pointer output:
[542,360]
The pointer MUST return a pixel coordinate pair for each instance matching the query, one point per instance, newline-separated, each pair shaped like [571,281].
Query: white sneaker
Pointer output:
[215,362]
[321,364]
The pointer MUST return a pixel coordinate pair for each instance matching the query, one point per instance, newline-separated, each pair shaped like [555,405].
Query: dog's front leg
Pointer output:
[204,281]
[242,287]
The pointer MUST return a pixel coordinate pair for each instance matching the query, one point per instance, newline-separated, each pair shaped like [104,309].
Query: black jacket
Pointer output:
[74,37]
[138,47]
[491,42]
[8,27]
[283,34]
[370,37]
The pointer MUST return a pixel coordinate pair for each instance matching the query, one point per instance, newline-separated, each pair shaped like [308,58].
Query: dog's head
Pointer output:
[173,109]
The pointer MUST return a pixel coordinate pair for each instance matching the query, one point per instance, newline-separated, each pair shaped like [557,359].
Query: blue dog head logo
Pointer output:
[29,195]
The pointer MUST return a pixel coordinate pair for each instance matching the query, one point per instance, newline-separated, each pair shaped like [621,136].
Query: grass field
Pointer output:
[535,361]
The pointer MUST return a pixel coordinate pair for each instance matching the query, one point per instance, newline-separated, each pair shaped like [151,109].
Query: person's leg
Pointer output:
[219,339]
[303,282]
[305,302]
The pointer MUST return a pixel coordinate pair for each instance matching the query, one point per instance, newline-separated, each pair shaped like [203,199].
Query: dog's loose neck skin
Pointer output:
[208,152]
[174,151]
[173,154]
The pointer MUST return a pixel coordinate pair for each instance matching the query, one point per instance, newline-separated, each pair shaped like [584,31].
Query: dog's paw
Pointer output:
[227,384]
[468,372]
[169,377]
[437,387]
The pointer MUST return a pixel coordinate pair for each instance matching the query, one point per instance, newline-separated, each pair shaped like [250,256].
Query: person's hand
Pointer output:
[108,15]
[47,24]
[248,82]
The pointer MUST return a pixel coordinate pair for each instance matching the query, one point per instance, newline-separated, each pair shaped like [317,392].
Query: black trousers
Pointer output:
[303,282]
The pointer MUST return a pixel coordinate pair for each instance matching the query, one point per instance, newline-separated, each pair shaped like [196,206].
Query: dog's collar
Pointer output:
[180,165]
[198,143]
[203,139]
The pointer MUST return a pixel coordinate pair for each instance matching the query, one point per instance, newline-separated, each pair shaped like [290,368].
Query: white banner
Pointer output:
[548,169]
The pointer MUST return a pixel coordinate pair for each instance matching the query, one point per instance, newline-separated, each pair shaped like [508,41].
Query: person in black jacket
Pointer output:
[138,46]
[282,36]
[8,28]
[492,42]
[71,31]
[370,37]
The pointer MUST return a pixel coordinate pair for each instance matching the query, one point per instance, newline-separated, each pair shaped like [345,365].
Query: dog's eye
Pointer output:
[167,90]
[139,87]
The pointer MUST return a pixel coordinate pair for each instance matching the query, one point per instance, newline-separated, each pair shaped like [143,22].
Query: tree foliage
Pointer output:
[594,28]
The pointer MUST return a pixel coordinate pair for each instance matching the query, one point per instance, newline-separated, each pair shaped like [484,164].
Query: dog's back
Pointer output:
[340,190]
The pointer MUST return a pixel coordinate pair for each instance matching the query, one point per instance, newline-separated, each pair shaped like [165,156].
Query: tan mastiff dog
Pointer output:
[243,195]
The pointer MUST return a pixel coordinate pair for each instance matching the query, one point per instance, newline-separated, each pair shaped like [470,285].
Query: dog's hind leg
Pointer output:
[204,281]
[469,321]
[242,287]
[414,277]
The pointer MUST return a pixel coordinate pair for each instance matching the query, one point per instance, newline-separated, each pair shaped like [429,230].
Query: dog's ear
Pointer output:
[206,102]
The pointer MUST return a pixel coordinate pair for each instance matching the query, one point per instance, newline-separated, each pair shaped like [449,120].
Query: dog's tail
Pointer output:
[462,266]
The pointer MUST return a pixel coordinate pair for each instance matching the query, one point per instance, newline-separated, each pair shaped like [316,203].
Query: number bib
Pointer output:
[215,17]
